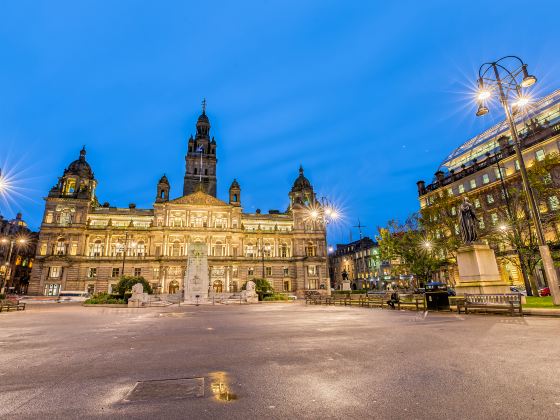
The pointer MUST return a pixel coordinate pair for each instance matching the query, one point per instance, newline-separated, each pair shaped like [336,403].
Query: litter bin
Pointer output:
[436,296]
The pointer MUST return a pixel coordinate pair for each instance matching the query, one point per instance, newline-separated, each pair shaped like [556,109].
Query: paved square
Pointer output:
[276,361]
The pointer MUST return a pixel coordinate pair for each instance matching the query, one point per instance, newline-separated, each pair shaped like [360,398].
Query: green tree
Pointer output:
[409,244]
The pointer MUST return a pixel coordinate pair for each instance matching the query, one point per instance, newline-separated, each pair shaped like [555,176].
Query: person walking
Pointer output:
[394,299]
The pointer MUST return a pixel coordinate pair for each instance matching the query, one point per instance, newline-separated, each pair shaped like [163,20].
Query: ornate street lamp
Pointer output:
[502,76]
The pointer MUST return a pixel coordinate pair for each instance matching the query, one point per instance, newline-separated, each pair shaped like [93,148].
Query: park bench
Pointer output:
[507,302]
[11,305]
[417,302]
[377,300]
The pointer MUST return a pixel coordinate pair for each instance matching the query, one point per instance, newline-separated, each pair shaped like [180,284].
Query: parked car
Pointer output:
[514,289]
[545,291]
[72,296]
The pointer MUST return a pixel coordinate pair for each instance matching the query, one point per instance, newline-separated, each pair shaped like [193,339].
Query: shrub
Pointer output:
[126,282]
[276,296]
[103,299]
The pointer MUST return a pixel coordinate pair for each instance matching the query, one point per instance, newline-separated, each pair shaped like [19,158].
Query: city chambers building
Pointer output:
[486,169]
[87,246]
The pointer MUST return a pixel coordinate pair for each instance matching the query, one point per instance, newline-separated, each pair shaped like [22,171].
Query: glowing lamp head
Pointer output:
[334,215]
[521,102]
[314,214]
[502,227]
[427,244]
[4,241]
[482,110]
[22,241]
[483,95]
[528,79]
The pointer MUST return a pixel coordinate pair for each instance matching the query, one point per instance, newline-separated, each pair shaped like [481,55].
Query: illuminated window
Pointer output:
[489,198]
[96,249]
[311,270]
[477,203]
[450,191]
[461,188]
[55,272]
[539,155]
[250,251]
[52,289]
[156,273]
[473,183]
[494,218]
[485,179]
[481,223]
[453,211]
[235,272]
[60,248]
[92,272]
[141,249]
[516,165]
[176,249]
[310,249]
[554,203]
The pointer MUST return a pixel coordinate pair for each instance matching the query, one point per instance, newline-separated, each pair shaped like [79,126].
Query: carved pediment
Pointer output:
[199,198]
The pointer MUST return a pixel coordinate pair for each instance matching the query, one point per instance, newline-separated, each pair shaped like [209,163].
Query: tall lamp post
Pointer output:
[502,76]
[325,213]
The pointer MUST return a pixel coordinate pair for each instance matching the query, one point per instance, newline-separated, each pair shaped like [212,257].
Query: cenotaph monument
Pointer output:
[196,280]
[478,269]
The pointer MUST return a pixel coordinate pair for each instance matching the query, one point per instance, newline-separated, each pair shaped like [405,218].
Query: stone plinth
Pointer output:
[346,286]
[478,271]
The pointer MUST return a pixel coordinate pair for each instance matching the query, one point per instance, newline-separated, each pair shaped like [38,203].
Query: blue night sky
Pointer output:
[368,96]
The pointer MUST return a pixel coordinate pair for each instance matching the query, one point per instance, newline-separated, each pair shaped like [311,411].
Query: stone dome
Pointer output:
[301,182]
[80,167]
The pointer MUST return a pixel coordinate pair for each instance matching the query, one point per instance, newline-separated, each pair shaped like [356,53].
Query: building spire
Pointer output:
[204,106]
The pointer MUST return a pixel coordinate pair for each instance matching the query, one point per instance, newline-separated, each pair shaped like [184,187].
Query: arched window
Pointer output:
[176,249]
[267,250]
[284,251]
[60,247]
[70,186]
[310,249]
[141,249]
[235,198]
[97,248]
[219,249]
[250,251]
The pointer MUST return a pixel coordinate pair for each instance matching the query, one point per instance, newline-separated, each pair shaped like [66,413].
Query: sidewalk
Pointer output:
[542,311]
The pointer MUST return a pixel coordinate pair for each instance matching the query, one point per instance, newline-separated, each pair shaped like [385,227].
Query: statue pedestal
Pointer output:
[478,271]
[346,286]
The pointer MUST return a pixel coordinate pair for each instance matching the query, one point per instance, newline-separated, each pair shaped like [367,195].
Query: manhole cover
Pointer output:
[166,389]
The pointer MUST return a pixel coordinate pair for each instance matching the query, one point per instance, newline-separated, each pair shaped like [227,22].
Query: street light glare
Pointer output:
[521,102]
[483,95]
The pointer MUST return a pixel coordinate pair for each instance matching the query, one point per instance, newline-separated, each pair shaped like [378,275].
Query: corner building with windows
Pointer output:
[85,245]
[486,166]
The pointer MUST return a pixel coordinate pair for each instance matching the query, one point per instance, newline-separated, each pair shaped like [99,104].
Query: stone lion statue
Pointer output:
[137,289]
